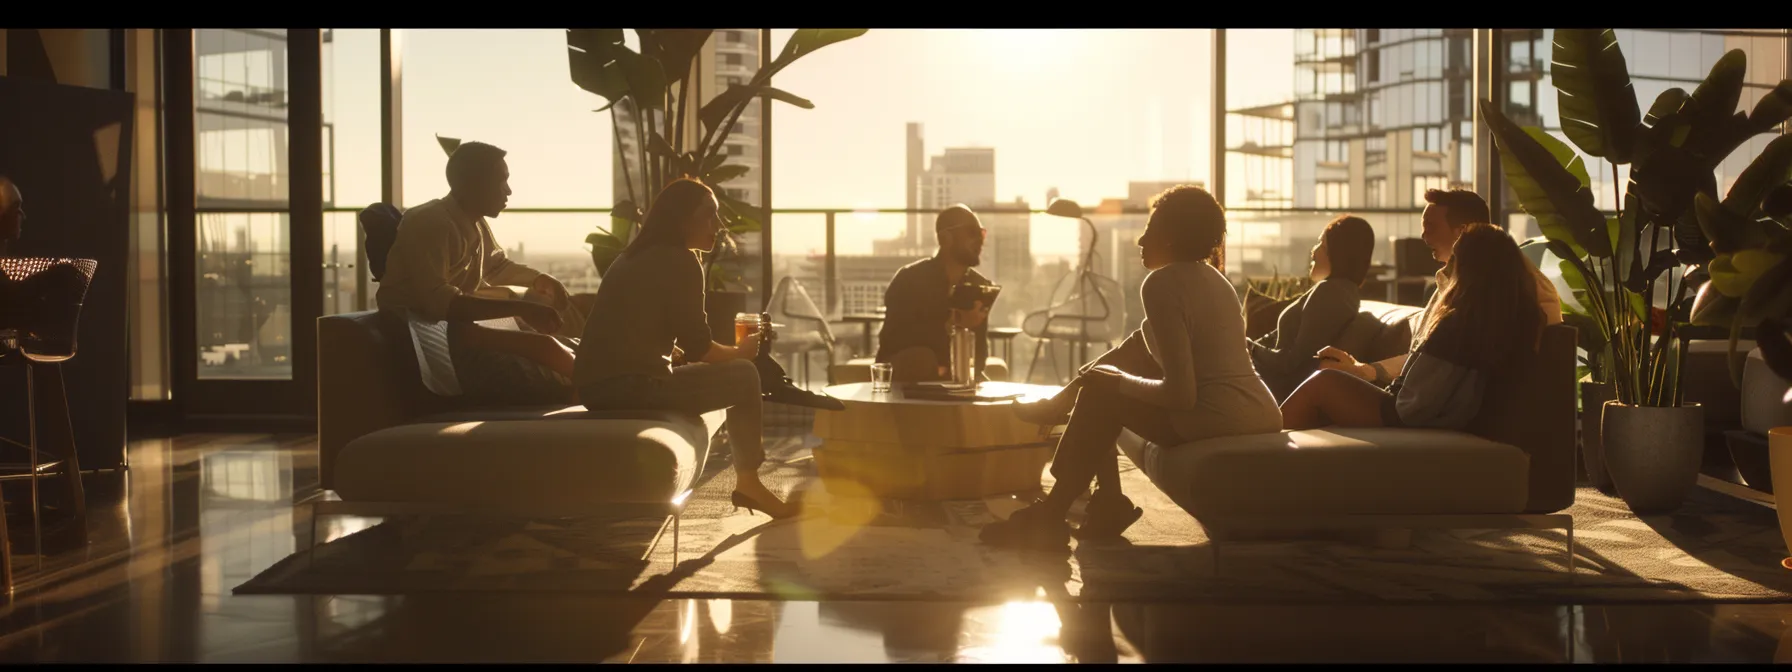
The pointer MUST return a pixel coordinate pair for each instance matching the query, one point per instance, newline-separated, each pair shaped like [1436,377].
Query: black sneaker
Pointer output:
[786,392]
[1031,528]
[776,387]
[1108,516]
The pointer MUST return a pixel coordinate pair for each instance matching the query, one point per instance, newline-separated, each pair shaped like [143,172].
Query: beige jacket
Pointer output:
[442,251]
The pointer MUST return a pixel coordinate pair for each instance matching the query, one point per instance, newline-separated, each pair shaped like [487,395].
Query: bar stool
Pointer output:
[40,308]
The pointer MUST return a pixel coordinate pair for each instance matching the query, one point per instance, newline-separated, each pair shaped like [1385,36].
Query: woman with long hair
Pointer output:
[649,309]
[1181,377]
[1483,319]
[1340,264]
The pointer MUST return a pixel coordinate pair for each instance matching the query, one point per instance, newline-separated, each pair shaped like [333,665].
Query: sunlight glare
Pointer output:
[1019,632]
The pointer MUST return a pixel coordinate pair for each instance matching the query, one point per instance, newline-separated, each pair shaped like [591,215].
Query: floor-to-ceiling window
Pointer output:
[244,306]
[907,122]
[1658,60]
[1328,121]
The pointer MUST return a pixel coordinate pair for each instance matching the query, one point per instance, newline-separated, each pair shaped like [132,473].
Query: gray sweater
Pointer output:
[1285,357]
[1192,328]
[649,301]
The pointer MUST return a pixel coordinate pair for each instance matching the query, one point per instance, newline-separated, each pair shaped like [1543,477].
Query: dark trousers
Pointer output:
[1088,450]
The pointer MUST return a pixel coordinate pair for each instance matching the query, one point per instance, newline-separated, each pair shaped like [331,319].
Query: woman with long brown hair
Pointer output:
[1340,264]
[650,307]
[1182,377]
[1480,322]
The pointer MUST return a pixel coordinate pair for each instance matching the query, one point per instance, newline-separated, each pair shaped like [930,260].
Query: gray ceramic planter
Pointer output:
[1653,453]
[1592,413]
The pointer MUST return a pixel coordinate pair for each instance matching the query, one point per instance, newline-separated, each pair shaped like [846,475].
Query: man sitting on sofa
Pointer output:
[445,254]
[1447,214]
[918,302]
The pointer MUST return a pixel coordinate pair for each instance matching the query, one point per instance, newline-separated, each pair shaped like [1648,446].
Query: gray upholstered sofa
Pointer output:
[1511,470]
[388,446]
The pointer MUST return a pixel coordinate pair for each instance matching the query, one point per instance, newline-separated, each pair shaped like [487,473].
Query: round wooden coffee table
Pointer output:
[902,448]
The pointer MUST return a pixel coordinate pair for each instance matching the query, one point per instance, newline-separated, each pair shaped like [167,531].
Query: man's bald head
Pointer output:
[12,210]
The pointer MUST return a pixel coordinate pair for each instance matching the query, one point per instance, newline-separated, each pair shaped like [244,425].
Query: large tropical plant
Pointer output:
[1614,264]
[675,133]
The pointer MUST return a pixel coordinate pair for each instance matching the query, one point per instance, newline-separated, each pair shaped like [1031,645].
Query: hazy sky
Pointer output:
[1085,111]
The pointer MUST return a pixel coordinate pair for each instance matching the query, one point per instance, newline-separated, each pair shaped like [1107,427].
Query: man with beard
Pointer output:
[918,311]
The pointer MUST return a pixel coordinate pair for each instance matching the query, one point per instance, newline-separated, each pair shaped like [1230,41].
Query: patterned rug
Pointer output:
[1716,548]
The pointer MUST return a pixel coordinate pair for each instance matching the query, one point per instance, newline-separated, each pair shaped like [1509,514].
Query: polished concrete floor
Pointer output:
[198,515]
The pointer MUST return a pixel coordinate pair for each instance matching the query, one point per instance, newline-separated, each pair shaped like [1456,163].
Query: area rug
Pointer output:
[1715,548]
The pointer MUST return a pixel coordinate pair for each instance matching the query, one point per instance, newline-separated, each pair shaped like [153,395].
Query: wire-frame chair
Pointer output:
[40,309]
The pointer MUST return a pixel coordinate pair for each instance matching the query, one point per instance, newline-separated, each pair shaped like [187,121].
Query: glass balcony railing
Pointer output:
[830,267]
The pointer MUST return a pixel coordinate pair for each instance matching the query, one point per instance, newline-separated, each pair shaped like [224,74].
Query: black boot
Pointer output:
[776,386]
[1032,528]
[1108,515]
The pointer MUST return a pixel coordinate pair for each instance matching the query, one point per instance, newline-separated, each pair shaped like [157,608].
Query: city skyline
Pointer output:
[1126,124]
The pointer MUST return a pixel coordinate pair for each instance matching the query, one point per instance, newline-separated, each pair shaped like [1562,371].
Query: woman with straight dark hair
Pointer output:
[1484,319]
[1181,377]
[648,310]
[1340,264]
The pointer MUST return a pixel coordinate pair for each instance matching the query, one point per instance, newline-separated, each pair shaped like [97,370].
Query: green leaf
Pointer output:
[646,80]
[1547,190]
[1714,101]
[674,48]
[1589,336]
[1773,109]
[720,107]
[1735,275]
[806,40]
[1666,104]
[448,144]
[1579,283]
[1711,308]
[712,162]
[1593,93]
[1564,154]
[739,214]
[592,58]
[604,250]
[788,97]
[724,173]
[1769,299]
[1771,169]
[1727,231]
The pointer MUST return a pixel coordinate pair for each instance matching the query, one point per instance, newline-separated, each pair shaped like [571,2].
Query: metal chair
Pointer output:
[40,308]
[808,330]
[1074,319]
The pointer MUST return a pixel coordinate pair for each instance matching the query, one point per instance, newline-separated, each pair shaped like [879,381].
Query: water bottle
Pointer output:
[964,352]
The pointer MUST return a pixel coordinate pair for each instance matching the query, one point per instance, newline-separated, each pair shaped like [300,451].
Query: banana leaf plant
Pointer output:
[1614,264]
[653,87]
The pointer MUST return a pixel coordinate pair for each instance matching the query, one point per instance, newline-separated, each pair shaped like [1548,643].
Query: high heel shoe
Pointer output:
[778,510]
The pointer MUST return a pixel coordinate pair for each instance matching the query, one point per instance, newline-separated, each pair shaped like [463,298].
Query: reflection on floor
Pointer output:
[198,515]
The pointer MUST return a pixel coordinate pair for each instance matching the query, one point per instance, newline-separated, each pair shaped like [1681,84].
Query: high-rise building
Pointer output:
[962,175]
[730,58]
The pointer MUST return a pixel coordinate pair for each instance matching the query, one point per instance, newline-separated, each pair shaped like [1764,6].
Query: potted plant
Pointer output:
[1651,441]
[675,133]
[1264,300]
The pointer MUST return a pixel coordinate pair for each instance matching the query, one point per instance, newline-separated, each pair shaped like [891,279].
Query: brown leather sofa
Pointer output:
[386,443]
[1515,463]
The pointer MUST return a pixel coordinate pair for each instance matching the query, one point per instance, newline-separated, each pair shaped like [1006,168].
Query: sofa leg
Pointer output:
[1572,577]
